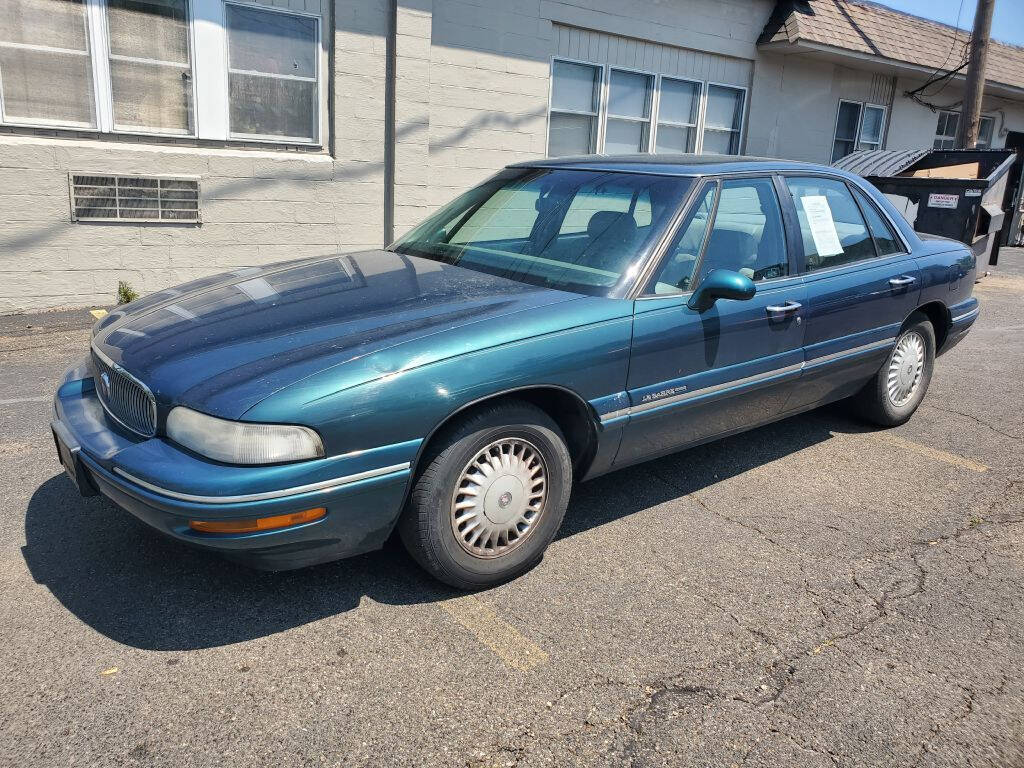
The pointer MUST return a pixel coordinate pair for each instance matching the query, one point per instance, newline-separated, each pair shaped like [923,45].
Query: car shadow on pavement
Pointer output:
[146,591]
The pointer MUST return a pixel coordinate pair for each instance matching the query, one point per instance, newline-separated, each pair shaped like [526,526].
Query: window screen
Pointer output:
[572,125]
[150,66]
[831,226]
[272,74]
[45,69]
[134,198]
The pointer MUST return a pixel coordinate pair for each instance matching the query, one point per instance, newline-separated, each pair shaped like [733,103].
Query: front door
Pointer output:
[697,375]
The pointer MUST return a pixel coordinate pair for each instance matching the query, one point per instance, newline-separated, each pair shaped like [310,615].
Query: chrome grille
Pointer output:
[124,398]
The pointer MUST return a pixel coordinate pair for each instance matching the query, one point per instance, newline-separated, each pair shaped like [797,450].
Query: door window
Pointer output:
[886,242]
[681,258]
[747,234]
[831,226]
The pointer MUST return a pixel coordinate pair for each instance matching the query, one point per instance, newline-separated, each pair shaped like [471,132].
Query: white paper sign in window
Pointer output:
[822,225]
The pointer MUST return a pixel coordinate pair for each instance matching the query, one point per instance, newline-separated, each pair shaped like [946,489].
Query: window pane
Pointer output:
[841,148]
[149,29]
[574,87]
[985,132]
[46,85]
[571,135]
[747,234]
[722,118]
[272,106]
[41,86]
[155,93]
[846,121]
[271,42]
[629,94]
[677,272]
[674,138]
[151,96]
[720,142]
[725,108]
[51,23]
[679,102]
[831,226]
[885,240]
[871,125]
[283,101]
[625,136]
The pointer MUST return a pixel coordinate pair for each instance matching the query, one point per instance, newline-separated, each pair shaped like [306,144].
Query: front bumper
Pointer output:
[166,487]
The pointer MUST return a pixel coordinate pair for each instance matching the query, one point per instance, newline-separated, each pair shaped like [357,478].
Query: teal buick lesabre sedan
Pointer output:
[563,319]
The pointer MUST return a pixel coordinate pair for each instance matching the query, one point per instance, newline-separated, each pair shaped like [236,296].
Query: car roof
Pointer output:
[677,165]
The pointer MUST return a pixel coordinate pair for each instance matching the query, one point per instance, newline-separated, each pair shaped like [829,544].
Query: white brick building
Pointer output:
[297,127]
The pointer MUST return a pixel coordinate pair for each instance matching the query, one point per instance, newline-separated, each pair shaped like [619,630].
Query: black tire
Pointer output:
[426,526]
[874,402]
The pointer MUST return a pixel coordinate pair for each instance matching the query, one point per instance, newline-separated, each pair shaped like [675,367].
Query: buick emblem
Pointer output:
[105,380]
[505,499]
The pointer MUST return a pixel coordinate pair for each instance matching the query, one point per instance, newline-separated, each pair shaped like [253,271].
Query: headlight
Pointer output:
[238,442]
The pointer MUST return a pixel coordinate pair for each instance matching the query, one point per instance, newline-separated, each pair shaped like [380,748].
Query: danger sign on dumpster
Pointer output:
[937,200]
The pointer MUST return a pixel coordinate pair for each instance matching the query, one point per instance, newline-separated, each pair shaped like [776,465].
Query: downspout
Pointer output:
[331,62]
[390,70]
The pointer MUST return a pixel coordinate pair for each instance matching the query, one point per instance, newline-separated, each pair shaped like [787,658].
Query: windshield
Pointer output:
[573,230]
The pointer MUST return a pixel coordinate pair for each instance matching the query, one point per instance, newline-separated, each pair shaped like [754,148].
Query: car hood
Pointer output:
[224,343]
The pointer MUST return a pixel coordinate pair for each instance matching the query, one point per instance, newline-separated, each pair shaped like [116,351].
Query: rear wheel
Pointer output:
[896,391]
[490,498]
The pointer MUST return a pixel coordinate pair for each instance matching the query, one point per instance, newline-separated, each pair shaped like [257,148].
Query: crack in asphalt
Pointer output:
[972,417]
[782,672]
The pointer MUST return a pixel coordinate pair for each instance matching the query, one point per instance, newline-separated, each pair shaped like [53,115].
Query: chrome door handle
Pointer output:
[783,309]
[902,282]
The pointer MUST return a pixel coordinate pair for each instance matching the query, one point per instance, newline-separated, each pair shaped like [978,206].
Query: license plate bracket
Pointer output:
[67,452]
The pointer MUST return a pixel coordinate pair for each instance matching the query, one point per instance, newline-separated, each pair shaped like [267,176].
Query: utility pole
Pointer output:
[970,117]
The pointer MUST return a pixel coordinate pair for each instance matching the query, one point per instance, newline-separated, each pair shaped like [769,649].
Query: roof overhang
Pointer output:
[877,63]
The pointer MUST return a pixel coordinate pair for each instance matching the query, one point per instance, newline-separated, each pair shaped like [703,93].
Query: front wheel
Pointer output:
[895,392]
[491,497]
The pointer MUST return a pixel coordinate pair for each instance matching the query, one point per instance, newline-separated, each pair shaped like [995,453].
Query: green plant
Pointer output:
[125,293]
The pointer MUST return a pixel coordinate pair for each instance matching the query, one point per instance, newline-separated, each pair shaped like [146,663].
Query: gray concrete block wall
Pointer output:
[259,205]
[257,208]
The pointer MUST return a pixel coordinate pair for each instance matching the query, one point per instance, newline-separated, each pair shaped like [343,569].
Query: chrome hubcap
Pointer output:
[905,368]
[499,498]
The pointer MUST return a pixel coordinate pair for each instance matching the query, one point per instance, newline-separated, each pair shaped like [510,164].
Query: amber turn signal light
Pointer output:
[257,524]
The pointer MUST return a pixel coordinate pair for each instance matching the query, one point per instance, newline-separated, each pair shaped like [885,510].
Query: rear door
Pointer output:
[695,375]
[861,284]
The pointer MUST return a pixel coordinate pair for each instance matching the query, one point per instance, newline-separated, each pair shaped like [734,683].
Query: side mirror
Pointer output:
[721,284]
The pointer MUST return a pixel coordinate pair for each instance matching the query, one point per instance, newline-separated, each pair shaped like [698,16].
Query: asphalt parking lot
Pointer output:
[813,593]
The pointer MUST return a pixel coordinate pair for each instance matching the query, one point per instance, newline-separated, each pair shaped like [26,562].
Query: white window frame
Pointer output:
[945,137]
[655,97]
[696,125]
[743,114]
[316,77]
[862,106]
[605,89]
[208,58]
[598,128]
[87,21]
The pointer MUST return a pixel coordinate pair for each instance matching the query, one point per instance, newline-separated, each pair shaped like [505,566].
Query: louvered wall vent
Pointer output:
[134,198]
